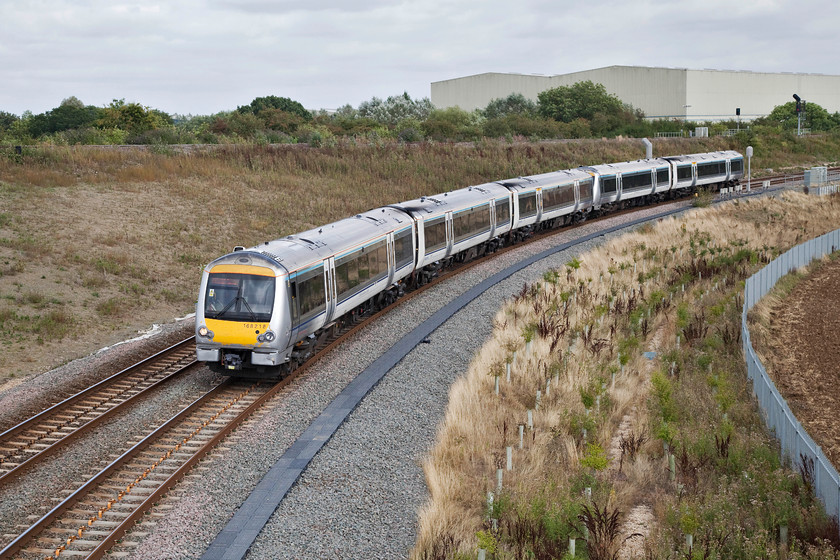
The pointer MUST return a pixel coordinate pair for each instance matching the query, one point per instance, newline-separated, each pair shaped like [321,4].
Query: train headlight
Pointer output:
[205,332]
[267,336]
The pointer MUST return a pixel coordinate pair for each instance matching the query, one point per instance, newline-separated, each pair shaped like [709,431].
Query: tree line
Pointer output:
[582,110]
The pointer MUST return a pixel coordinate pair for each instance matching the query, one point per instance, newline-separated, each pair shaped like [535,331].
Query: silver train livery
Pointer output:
[266,308]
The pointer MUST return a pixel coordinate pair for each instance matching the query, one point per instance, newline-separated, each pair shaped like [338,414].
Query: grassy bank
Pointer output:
[672,438]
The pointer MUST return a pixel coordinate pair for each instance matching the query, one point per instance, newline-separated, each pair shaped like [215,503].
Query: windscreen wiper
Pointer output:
[238,297]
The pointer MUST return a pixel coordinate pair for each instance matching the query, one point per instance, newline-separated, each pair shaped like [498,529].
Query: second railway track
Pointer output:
[41,435]
[89,521]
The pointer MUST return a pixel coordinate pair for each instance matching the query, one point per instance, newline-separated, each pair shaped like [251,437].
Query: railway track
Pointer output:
[35,439]
[87,523]
[94,517]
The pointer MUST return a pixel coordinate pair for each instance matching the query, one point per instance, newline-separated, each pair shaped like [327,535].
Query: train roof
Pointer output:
[301,250]
[543,180]
[427,207]
[706,156]
[628,166]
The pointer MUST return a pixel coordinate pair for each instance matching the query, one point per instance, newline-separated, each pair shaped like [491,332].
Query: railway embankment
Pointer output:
[580,344]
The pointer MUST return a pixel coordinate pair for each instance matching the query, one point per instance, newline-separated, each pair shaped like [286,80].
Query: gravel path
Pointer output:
[359,496]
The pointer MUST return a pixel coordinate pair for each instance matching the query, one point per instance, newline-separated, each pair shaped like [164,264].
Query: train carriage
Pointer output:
[315,277]
[453,223]
[715,169]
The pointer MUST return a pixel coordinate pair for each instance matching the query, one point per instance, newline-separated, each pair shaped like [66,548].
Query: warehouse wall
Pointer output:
[659,92]
[714,94]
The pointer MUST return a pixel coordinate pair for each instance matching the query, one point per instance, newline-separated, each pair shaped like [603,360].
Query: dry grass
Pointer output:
[589,325]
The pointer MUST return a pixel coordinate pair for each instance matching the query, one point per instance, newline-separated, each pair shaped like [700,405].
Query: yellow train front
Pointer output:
[242,320]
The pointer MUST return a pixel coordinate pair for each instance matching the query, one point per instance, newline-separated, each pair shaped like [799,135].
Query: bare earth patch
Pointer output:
[803,356]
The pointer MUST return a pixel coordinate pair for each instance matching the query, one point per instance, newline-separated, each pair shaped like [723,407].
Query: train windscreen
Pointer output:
[239,297]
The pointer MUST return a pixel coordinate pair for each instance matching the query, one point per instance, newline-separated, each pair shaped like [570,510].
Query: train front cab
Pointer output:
[239,314]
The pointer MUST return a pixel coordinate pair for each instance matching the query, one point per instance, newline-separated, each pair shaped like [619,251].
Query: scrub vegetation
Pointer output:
[582,110]
[622,389]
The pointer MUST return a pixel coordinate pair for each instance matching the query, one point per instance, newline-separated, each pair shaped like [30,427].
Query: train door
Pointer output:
[539,203]
[492,219]
[329,288]
[391,259]
[514,206]
[450,235]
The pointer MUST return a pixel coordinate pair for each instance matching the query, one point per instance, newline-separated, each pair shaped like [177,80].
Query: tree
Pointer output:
[283,121]
[814,117]
[452,123]
[580,100]
[71,114]
[6,120]
[513,104]
[132,117]
[260,104]
[72,101]
[396,108]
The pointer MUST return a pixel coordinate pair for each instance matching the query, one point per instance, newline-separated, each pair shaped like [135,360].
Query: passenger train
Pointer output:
[264,309]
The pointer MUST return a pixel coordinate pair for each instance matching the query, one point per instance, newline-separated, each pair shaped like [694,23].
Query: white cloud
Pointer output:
[204,56]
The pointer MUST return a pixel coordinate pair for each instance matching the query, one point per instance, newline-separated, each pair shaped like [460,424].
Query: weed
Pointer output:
[630,446]
[111,307]
[604,528]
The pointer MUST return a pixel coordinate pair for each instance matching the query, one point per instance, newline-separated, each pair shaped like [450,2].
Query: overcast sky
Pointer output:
[204,56]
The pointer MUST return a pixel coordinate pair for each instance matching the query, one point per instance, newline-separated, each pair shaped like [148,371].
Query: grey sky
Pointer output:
[205,56]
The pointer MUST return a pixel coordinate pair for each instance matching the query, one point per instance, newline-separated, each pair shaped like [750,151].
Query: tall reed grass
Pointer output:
[579,339]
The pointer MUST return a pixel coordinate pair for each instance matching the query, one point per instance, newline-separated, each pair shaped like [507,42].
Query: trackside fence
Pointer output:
[796,444]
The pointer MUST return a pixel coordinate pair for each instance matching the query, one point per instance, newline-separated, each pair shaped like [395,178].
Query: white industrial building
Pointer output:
[681,93]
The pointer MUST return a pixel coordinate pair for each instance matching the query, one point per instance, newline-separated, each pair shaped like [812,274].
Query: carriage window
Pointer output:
[662,177]
[528,205]
[635,181]
[471,222]
[711,168]
[403,248]
[684,173]
[608,185]
[737,165]
[359,269]
[308,294]
[435,231]
[502,212]
[557,197]
[585,189]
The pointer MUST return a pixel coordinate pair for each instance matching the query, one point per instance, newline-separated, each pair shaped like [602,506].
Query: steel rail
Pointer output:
[45,415]
[150,440]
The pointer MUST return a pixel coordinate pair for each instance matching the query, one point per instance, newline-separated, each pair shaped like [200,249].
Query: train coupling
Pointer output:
[232,362]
